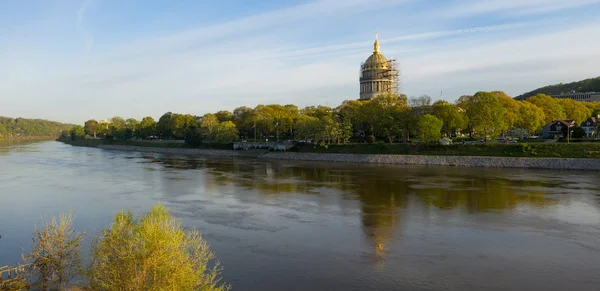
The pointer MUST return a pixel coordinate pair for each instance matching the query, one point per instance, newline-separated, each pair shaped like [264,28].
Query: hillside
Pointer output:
[29,128]
[587,85]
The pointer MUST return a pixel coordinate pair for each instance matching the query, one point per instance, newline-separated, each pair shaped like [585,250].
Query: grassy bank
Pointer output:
[546,150]
[542,150]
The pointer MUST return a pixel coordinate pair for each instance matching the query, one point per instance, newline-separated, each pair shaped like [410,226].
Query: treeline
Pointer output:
[587,85]
[387,117]
[25,128]
[152,252]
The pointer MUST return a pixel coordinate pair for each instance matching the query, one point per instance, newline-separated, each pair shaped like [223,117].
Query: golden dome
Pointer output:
[376,61]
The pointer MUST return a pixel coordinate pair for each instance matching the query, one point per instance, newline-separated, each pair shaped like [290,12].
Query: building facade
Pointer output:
[590,126]
[584,97]
[558,129]
[378,75]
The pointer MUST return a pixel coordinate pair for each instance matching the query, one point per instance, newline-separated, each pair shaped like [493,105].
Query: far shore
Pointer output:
[424,160]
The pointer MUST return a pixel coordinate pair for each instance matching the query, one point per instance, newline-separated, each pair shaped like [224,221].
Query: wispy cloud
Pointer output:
[518,7]
[79,25]
[244,61]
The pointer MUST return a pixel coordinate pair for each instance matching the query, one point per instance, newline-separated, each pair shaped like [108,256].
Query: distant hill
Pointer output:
[587,85]
[28,128]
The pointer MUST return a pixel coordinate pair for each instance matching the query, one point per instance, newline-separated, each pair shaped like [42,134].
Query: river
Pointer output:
[278,225]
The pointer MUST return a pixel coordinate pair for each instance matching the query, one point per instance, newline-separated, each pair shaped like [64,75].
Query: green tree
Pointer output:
[450,115]
[55,258]
[118,122]
[575,110]
[429,128]
[163,126]
[552,108]
[147,127]
[578,132]
[90,127]
[226,132]
[531,117]
[484,113]
[243,118]
[511,110]
[308,127]
[152,253]
[181,125]
[77,132]
[224,115]
[209,124]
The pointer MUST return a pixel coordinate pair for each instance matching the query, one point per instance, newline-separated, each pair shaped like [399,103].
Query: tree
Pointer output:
[578,132]
[118,122]
[152,253]
[308,127]
[450,115]
[552,108]
[55,257]
[243,118]
[384,115]
[163,126]
[485,114]
[429,128]
[531,117]
[131,128]
[77,132]
[209,124]
[90,127]
[225,132]
[421,101]
[575,110]
[147,127]
[224,115]
[181,125]
[511,110]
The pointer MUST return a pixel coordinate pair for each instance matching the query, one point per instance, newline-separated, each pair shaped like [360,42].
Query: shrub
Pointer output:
[55,258]
[370,139]
[152,253]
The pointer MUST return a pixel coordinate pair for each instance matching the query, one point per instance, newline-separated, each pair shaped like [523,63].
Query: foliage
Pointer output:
[147,127]
[77,132]
[484,114]
[90,127]
[225,132]
[152,253]
[578,132]
[587,85]
[429,128]
[532,118]
[551,107]
[55,258]
[24,128]
[449,114]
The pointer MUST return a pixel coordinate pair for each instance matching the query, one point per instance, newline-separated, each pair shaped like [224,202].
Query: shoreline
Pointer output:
[420,160]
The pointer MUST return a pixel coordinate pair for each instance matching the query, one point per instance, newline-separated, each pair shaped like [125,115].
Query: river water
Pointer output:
[278,225]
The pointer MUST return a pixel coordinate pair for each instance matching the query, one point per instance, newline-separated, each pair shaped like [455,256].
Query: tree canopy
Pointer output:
[24,128]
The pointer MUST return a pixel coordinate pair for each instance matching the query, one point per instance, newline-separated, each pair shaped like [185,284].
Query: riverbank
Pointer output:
[402,159]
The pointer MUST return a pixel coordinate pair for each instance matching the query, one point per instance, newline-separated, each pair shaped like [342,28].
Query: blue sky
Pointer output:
[74,60]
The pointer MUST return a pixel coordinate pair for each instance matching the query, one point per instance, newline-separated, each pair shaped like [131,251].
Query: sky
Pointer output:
[72,60]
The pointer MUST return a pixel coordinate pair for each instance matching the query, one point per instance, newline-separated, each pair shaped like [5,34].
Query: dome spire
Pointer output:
[376,45]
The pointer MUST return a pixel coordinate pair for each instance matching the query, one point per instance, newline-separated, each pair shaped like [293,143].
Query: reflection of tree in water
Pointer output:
[381,191]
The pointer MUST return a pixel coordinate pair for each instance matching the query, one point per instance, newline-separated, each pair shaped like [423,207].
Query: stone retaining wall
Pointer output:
[462,161]
[181,151]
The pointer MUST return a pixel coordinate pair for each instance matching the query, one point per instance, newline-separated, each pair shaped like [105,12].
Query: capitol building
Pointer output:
[378,75]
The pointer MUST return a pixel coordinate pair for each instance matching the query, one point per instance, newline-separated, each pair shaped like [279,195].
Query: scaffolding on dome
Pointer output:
[392,72]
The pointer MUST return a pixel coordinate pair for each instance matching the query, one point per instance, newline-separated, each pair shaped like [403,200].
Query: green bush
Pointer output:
[152,253]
